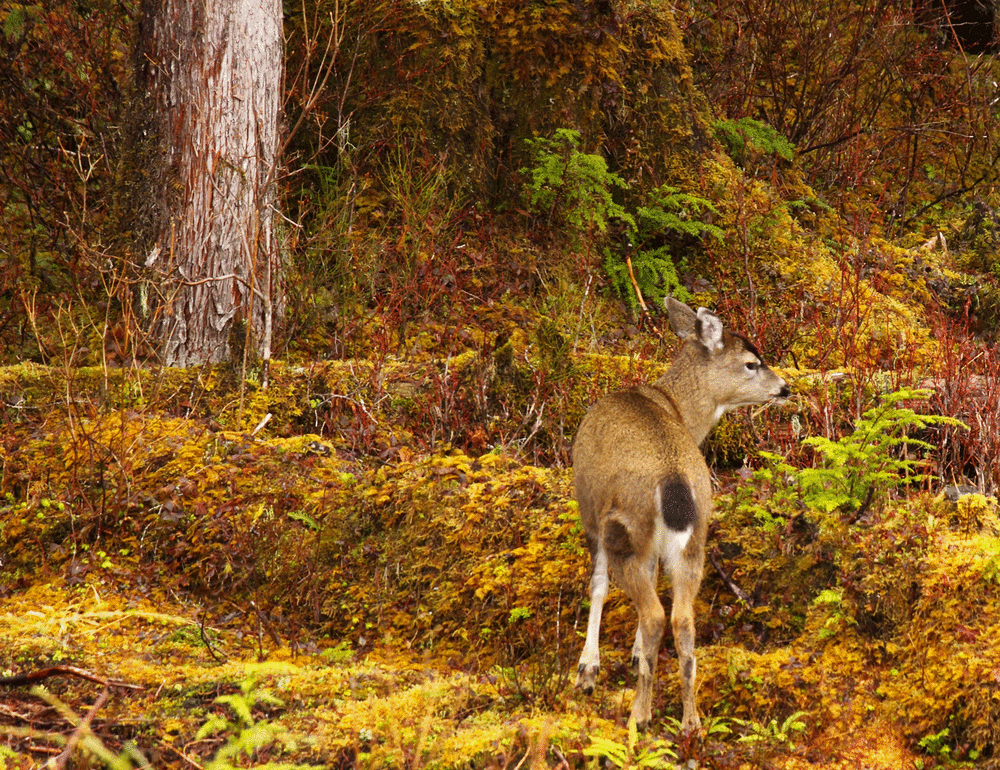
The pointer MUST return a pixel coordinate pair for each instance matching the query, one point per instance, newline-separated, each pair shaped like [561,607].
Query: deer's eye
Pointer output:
[753,366]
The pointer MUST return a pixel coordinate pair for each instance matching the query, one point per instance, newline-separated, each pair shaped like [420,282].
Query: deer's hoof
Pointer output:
[586,677]
[690,725]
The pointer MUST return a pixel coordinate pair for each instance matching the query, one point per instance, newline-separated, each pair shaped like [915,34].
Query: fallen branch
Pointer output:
[635,284]
[19,680]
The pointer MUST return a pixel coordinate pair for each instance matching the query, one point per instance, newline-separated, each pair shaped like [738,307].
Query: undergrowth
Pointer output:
[474,563]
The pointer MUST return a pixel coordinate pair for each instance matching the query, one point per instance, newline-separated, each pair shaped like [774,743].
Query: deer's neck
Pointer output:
[683,387]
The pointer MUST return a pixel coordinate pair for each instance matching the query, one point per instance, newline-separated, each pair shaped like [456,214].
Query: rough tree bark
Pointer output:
[209,75]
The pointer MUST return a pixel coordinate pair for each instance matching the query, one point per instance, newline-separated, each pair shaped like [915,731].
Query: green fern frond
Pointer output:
[746,133]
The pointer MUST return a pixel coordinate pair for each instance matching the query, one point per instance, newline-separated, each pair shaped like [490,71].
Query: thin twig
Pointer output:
[204,639]
[728,580]
[182,755]
[635,284]
[82,728]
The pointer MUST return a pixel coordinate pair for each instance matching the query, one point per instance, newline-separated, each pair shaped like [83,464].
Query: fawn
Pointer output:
[645,493]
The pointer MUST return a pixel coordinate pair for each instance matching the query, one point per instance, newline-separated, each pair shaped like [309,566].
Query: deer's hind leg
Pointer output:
[686,579]
[653,568]
[639,584]
[590,658]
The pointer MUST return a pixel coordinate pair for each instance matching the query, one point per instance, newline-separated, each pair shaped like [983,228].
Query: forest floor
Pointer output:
[172,691]
[193,594]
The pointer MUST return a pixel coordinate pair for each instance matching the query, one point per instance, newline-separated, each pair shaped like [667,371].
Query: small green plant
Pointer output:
[574,535]
[936,745]
[746,134]
[991,560]
[658,753]
[342,653]
[861,468]
[832,600]
[650,272]
[772,732]
[246,736]
[571,187]
[773,498]
[879,456]
[105,560]
[305,518]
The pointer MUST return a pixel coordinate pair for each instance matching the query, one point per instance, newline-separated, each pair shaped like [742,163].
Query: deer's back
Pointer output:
[634,460]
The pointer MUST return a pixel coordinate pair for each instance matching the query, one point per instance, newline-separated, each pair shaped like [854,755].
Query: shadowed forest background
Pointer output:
[360,550]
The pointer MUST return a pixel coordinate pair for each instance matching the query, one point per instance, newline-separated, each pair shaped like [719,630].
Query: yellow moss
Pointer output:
[873,744]
[945,667]
[977,513]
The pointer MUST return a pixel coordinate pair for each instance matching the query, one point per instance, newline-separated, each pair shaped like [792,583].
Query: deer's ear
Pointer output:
[682,318]
[708,328]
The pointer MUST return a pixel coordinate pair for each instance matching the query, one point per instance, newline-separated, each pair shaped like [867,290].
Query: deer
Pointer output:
[645,493]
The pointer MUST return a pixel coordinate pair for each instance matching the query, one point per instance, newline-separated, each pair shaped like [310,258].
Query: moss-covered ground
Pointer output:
[342,588]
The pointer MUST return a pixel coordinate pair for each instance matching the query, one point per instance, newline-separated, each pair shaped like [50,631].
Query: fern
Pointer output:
[671,209]
[573,188]
[740,136]
[772,732]
[874,459]
[654,271]
[861,468]
[655,275]
[246,737]
[657,754]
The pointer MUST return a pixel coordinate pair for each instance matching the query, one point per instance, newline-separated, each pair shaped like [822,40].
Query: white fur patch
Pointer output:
[709,330]
[670,544]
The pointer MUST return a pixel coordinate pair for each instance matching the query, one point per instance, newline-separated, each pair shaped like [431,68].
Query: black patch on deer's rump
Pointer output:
[677,505]
[617,540]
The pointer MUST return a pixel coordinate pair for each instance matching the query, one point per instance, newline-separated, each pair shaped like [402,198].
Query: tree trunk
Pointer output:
[209,73]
